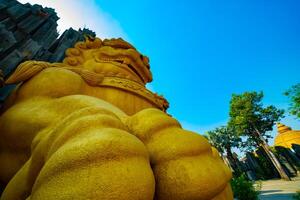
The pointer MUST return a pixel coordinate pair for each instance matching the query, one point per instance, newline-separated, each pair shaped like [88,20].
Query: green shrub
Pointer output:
[244,189]
[297,195]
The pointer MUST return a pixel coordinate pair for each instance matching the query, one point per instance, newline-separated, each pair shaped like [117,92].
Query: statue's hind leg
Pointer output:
[183,162]
[90,155]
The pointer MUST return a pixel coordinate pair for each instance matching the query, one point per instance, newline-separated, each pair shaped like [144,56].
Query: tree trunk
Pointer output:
[272,157]
[226,160]
[233,162]
[229,153]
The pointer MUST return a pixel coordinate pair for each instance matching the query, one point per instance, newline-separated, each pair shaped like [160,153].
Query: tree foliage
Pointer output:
[244,189]
[250,118]
[294,95]
[224,138]
[297,195]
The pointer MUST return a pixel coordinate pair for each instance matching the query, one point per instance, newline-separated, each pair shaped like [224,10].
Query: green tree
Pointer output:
[294,95]
[224,138]
[252,120]
[244,189]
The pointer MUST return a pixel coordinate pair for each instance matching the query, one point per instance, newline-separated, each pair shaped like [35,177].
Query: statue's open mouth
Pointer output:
[129,60]
[122,63]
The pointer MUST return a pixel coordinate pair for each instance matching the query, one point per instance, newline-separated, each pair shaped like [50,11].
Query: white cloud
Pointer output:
[82,13]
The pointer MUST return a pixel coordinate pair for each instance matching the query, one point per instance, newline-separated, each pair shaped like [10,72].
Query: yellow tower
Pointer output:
[286,136]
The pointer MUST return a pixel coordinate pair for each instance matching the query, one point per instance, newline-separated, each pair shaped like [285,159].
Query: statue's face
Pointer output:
[112,70]
[111,57]
[128,60]
[116,67]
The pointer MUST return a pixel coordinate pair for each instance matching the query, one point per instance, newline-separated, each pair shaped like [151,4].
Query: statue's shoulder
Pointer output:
[39,78]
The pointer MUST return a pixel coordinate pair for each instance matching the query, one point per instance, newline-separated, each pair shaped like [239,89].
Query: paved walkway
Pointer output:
[279,189]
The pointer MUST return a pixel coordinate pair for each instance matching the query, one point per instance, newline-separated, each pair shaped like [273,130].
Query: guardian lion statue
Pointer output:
[87,128]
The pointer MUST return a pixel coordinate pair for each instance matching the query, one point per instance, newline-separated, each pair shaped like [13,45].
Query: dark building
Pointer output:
[29,32]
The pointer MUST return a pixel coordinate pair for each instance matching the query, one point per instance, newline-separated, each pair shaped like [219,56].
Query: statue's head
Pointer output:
[112,70]
[111,57]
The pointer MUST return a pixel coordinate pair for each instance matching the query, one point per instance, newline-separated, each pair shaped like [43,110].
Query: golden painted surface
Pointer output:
[88,128]
[286,136]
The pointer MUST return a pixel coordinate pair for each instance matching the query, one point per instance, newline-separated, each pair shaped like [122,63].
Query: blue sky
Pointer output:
[202,51]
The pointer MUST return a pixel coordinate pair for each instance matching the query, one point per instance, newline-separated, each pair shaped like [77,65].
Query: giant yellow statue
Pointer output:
[88,128]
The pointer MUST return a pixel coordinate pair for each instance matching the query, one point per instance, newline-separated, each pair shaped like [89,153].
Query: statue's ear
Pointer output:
[26,70]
